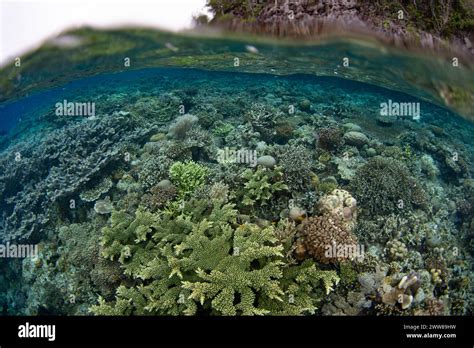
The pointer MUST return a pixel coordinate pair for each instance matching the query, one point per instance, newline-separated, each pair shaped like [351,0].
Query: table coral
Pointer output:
[57,167]
[95,192]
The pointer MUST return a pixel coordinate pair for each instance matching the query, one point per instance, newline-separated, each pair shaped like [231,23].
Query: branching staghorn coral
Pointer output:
[302,287]
[199,262]
[187,177]
[262,117]
[234,275]
[261,184]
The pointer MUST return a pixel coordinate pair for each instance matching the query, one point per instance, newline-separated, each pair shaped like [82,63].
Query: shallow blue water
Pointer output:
[62,176]
[146,80]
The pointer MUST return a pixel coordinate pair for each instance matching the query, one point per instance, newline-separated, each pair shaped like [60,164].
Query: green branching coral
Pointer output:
[261,184]
[222,129]
[302,288]
[147,247]
[68,272]
[120,239]
[233,283]
[199,262]
[187,176]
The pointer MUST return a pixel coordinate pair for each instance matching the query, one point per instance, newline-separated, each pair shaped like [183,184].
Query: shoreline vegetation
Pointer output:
[443,26]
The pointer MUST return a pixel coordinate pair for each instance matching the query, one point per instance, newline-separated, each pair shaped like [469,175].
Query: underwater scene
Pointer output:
[150,173]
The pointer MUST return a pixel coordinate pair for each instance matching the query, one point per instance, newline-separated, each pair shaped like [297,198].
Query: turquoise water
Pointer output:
[192,185]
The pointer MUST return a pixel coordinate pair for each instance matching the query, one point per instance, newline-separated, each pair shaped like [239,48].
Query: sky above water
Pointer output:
[25,24]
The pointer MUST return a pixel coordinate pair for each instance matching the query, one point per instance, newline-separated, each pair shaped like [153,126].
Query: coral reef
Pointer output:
[196,263]
[142,210]
[187,177]
[383,186]
[326,240]
[261,184]
[57,167]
